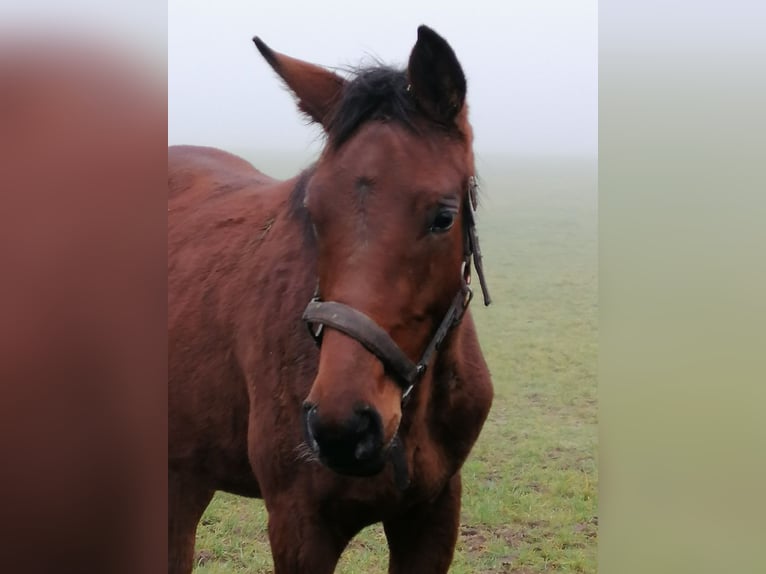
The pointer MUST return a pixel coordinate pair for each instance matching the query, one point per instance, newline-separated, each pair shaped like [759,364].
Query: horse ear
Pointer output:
[316,88]
[435,76]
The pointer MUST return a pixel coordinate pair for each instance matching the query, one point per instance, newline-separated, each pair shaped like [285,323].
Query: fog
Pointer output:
[531,68]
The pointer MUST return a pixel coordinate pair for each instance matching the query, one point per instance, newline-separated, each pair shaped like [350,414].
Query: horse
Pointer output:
[321,354]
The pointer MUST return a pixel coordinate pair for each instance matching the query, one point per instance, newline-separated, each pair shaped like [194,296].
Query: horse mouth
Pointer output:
[360,469]
[346,463]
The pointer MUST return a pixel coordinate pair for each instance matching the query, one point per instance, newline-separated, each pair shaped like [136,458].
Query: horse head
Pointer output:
[390,199]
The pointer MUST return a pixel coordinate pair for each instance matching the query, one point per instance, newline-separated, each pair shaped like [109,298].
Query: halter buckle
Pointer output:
[315,331]
[406,394]
[468,296]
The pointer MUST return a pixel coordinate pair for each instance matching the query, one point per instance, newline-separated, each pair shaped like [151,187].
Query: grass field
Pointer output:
[530,485]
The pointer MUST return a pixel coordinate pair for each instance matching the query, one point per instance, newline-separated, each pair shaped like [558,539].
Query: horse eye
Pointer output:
[442,222]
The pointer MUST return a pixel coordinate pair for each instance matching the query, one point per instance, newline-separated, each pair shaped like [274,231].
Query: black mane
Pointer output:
[375,93]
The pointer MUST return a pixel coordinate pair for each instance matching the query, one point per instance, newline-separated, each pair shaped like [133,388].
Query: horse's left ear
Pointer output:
[316,88]
[436,78]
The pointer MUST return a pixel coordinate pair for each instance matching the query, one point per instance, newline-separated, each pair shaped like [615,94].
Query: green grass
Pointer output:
[530,485]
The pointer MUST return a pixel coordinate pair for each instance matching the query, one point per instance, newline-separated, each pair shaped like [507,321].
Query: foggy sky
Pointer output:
[531,67]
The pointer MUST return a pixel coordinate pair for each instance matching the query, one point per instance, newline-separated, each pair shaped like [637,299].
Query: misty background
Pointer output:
[531,69]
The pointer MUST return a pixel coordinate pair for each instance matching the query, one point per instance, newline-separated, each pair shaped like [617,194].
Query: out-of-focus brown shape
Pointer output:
[83,135]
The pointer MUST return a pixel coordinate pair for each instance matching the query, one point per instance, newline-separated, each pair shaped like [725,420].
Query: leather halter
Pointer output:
[376,340]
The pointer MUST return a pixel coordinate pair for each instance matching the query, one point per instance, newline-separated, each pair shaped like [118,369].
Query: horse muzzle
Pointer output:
[352,447]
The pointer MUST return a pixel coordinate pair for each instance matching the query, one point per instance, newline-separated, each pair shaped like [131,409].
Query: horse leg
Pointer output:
[303,543]
[187,500]
[422,541]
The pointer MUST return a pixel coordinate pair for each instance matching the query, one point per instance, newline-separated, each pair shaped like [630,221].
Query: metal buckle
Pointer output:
[460,311]
[316,334]
[406,394]
[420,369]
[468,296]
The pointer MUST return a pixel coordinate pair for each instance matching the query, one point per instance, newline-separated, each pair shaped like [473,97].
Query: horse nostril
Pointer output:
[310,414]
[363,423]
[310,418]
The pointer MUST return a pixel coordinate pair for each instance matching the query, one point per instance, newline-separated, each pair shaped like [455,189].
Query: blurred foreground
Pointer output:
[82,304]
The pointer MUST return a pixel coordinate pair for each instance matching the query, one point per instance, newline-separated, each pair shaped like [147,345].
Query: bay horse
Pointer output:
[368,415]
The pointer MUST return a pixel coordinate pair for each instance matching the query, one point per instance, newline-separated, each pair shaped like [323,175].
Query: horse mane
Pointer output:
[379,93]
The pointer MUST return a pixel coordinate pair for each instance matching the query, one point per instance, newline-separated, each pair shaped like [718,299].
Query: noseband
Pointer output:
[375,339]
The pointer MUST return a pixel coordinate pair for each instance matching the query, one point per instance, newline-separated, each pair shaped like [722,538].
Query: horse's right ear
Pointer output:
[317,89]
